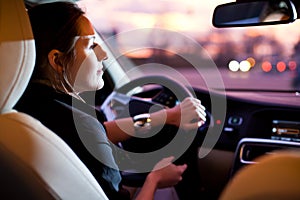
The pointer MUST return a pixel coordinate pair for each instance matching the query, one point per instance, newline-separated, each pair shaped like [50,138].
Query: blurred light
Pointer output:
[218,121]
[281,66]
[251,61]
[292,65]
[142,53]
[234,65]
[266,66]
[245,66]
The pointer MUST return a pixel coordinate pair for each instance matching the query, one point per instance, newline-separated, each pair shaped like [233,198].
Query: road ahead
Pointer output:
[254,79]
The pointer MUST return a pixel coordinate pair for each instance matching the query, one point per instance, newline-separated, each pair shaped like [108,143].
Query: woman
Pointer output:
[69,62]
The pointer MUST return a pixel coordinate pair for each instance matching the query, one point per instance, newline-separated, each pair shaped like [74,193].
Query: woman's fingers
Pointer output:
[193,109]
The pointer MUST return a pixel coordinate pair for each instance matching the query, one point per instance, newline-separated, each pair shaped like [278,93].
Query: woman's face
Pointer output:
[86,72]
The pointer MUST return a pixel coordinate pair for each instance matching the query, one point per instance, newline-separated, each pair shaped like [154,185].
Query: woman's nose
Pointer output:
[100,53]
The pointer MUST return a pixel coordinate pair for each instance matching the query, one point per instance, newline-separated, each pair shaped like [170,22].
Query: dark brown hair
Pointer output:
[54,26]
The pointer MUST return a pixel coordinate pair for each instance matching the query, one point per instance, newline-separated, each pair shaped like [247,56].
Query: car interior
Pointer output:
[248,148]
[35,162]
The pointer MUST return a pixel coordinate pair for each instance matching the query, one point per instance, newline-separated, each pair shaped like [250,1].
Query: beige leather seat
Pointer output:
[34,162]
[275,176]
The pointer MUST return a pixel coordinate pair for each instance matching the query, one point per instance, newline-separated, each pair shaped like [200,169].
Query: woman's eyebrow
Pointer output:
[88,37]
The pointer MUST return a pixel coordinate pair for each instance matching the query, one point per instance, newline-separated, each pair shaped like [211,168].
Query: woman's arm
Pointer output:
[189,114]
[122,129]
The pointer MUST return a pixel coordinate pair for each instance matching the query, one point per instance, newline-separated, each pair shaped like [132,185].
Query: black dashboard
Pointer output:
[252,117]
[255,124]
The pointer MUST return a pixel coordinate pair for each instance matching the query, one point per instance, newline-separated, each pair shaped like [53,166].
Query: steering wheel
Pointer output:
[158,99]
[161,137]
[137,106]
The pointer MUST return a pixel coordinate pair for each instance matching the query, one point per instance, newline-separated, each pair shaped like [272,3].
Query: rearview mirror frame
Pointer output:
[254,13]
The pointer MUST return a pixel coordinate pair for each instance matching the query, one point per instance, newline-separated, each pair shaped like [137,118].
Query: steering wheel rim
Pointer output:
[178,89]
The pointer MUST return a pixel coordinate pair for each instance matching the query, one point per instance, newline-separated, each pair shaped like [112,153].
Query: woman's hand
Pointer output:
[164,174]
[189,114]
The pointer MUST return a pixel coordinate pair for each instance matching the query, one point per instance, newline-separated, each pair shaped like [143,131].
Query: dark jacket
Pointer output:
[79,125]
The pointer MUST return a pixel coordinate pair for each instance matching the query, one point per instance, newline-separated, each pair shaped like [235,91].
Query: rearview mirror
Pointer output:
[254,13]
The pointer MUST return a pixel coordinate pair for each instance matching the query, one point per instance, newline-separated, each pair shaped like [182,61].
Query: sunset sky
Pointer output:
[181,15]
[191,17]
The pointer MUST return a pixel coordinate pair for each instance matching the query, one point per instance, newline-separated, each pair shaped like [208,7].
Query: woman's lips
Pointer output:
[100,72]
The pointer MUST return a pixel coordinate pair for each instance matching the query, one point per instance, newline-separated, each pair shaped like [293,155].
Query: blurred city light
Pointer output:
[281,66]
[266,66]
[251,61]
[234,66]
[292,65]
[245,66]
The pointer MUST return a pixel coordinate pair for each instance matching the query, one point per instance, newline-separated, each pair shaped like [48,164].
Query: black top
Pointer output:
[79,125]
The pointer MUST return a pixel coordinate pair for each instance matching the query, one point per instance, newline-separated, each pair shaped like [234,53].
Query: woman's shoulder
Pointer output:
[37,93]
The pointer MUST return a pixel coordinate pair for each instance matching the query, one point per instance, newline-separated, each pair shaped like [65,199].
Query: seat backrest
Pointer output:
[274,176]
[35,162]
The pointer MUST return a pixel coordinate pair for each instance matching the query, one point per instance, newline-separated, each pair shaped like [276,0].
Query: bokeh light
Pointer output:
[266,66]
[292,65]
[234,66]
[251,61]
[245,66]
[281,66]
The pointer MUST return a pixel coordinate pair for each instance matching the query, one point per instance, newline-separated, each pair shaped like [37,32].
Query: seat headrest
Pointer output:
[17,52]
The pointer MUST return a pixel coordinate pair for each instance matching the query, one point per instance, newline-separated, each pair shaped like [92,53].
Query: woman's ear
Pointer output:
[53,58]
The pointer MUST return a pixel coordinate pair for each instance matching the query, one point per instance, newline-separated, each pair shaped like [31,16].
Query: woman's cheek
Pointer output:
[87,74]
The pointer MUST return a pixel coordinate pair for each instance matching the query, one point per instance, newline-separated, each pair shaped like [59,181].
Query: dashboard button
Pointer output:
[235,120]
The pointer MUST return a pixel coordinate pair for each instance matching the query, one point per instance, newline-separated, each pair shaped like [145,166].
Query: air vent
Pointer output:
[249,152]
[251,148]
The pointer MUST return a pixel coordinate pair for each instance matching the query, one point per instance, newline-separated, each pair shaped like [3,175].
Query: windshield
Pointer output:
[179,35]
